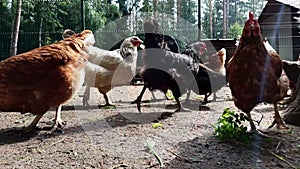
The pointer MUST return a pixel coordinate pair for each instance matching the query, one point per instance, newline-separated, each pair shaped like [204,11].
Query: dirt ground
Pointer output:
[98,137]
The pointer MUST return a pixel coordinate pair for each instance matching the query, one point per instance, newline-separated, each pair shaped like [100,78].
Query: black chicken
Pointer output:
[164,69]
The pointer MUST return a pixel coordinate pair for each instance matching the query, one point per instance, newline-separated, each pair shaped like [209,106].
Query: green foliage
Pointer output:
[229,126]
[167,7]
[110,107]
[188,10]
[147,7]
[169,94]
[156,125]
[235,30]
[237,13]
[45,20]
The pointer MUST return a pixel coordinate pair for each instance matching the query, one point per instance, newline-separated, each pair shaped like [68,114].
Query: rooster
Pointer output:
[254,74]
[44,78]
[109,68]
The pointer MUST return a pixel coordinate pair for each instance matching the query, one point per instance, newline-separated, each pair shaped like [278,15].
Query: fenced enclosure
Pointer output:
[43,21]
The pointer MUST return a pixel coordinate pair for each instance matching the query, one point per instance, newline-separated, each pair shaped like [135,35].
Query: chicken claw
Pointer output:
[279,124]
[59,124]
[180,107]
[277,120]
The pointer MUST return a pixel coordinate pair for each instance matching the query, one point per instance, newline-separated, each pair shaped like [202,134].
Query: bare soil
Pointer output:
[99,137]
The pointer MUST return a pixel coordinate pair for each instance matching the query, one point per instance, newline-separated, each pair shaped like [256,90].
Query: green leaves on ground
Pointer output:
[156,125]
[229,126]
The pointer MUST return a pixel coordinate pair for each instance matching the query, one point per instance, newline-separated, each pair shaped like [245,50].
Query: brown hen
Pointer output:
[254,73]
[44,78]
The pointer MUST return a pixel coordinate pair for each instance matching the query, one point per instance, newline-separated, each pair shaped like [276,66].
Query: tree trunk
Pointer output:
[211,18]
[292,114]
[40,32]
[178,11]
[155,8]
[14,43]
[225,18]
[199,20]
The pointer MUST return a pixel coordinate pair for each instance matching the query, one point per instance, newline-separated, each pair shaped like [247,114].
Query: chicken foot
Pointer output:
[205,100]
[58,122]
[253,128]
[252,125]
[277,120]
[180,106]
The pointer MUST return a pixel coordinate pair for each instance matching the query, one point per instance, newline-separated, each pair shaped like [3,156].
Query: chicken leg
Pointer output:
[180,106]
[86,96]
[139,99]
[277,120]
[253,128]
[33,124]
[252,125]
[58,122]
[176,93]
[107,100]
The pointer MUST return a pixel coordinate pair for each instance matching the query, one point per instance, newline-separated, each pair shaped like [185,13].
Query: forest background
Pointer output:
[27,24]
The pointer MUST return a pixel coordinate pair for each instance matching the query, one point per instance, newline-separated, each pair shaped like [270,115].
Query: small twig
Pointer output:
[181,157]
[57,142]
[278,146]
[238,161]
[277,156]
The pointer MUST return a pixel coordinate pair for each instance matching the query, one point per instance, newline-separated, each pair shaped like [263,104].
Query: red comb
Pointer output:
[251,16]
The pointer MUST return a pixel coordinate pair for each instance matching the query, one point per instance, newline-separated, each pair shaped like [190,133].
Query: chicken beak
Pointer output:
[142,46]
[136,41]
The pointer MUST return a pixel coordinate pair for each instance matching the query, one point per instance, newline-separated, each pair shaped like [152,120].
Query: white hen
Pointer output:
[111,68]
[106,69]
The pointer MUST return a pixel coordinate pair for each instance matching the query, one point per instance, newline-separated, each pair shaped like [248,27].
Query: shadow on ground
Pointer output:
[261,153]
